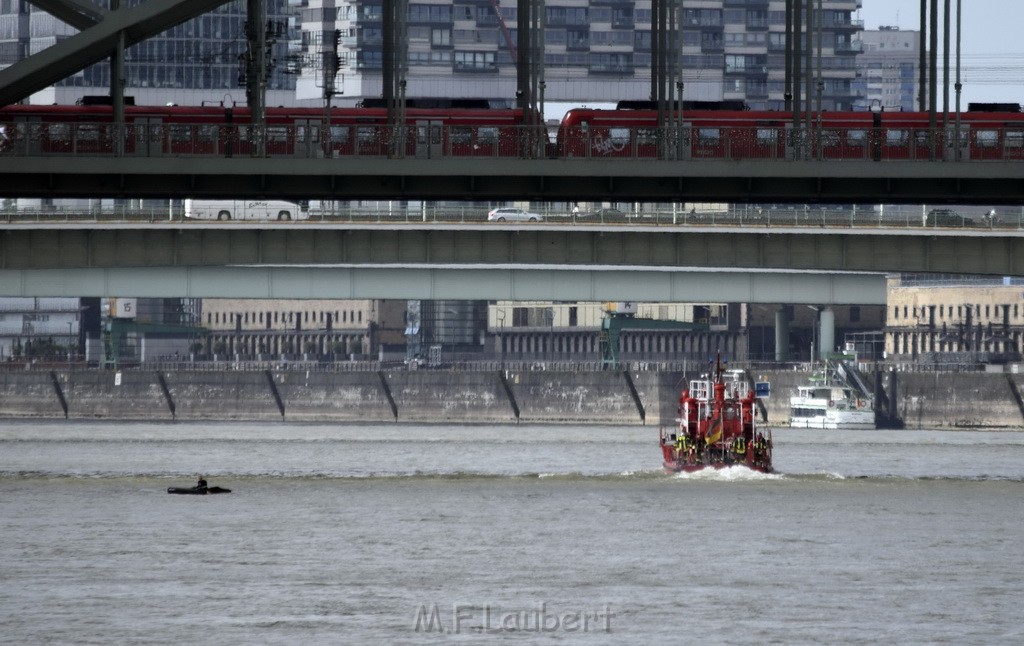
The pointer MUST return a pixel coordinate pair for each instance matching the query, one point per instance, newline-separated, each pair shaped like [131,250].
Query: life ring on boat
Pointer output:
[860,403]
[831,404]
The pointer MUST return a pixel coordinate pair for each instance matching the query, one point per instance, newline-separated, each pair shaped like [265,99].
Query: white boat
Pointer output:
[828,401]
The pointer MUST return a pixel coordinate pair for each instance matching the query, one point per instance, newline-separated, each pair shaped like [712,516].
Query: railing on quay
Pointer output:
[716,140]
[690,366]
[657,215]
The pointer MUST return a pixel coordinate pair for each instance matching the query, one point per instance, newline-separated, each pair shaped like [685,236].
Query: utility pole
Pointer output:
[331,63]
[256,70]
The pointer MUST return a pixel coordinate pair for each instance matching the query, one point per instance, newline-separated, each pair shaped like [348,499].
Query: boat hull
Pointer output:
[684,467]
[846,421]
[192,491]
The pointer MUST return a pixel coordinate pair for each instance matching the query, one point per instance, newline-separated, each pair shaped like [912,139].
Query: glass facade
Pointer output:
[202,53]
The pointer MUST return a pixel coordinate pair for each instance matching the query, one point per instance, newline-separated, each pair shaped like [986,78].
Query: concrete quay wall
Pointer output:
[925,400]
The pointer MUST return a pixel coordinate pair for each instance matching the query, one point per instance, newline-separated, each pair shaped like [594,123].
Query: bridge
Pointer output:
[491,261]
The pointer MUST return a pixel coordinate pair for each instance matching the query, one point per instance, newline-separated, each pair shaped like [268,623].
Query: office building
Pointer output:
[195,62]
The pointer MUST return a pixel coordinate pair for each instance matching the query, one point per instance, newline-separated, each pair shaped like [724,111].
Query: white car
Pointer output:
[512,214]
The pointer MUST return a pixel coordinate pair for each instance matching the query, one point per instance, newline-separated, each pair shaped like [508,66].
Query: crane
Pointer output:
[504,30]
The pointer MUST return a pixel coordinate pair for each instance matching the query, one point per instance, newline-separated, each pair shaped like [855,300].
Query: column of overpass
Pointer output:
[826,332]
[782,333]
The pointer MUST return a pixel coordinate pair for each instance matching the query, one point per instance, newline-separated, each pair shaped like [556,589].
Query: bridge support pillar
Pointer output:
[826,332]
[782,333]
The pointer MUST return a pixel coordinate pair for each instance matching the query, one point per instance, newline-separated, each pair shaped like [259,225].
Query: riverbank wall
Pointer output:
[923,400]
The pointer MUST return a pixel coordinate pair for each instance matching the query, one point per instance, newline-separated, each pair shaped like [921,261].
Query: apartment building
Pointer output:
[594,50]
[889,69]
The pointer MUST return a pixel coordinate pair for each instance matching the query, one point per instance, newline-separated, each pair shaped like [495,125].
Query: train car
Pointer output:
[226,131]
[743,134]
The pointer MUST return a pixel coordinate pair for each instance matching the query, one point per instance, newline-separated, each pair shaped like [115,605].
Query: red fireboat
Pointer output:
[716,428]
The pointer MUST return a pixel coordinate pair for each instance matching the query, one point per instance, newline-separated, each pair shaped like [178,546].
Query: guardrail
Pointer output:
[646,215]
[482,365]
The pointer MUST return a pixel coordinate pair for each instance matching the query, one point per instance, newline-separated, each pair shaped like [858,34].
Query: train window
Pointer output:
[487,135]
[709,135]
[987,138]
[277,133]
[618,135]
[180,133]
[460,135]
[896,137]
[767,136]
[856,137]
[303,131]
[55,131]
[368,134]
[339,134]
[208,131]
[921,138]
[646,136]
[830,137]
[88,132]
[1014,139]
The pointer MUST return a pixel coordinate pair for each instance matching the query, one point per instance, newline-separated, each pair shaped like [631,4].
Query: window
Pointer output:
[487,135]
[339,134]
[88,132]
[767,136]
[987,138]
[459,135]
[180,133]
[441,37]
[896,137]
[366,134]
[709,136]
[474,61]
[618,136]
[428,13]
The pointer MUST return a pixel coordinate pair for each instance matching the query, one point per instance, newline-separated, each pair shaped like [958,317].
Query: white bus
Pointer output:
[245,210]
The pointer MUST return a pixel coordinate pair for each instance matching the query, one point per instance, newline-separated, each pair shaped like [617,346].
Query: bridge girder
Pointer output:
[434,283]
[97,40]
[514,179]
[80,15]
[574,247]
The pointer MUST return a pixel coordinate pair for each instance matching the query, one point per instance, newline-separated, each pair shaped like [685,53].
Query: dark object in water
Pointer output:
[196,491]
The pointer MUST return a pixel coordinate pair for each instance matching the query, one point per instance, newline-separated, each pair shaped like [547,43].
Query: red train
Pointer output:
[480,131]
[704,133]
[299,132]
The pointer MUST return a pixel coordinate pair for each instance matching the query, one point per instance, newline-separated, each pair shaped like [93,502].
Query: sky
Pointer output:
[992,43]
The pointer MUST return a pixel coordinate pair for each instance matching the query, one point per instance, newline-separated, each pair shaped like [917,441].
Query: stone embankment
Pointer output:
[924,400]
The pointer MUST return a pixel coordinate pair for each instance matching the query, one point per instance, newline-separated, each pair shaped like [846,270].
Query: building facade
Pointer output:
[950,319]
[889,66]
[270,328]
[40,328]
[594,50]
[196,61]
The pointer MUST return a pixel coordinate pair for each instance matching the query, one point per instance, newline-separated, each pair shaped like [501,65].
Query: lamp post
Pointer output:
[501,334]
[70,342]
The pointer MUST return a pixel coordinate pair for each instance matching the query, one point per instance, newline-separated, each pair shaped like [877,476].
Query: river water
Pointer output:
[405,534]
